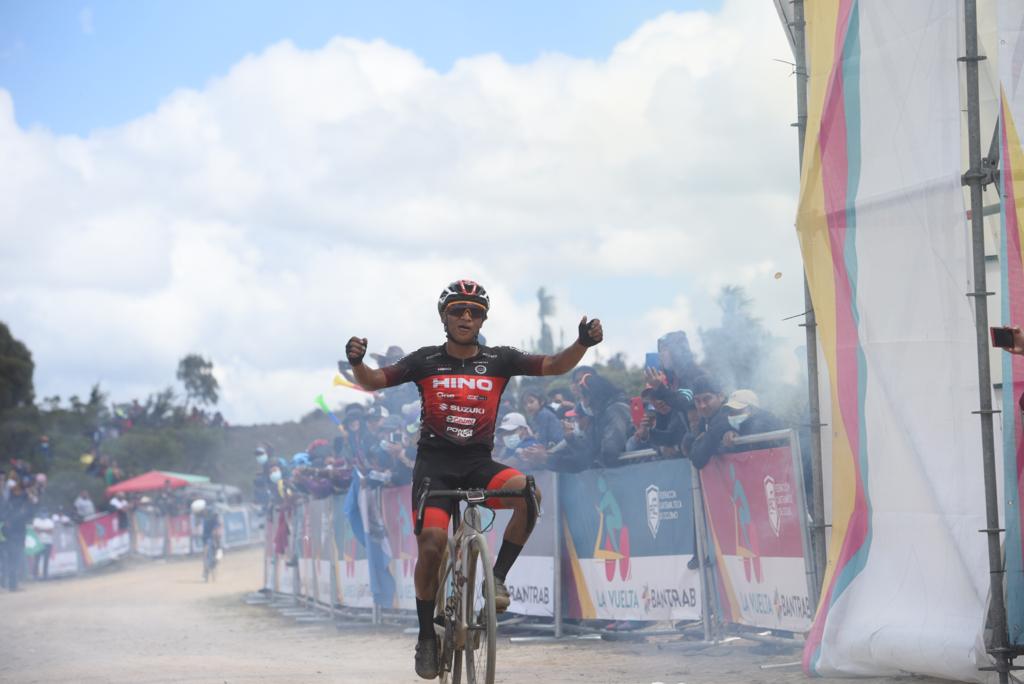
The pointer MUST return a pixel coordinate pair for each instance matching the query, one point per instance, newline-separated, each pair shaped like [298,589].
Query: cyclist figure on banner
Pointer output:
[212,552]
[460,384]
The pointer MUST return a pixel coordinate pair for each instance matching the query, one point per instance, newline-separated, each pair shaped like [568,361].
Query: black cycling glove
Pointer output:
[585,339]
[355,358]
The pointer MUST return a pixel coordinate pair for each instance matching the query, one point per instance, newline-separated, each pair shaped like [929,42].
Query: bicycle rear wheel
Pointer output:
[482,623]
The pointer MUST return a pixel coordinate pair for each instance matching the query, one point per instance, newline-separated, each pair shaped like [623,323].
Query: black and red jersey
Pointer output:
[460,397]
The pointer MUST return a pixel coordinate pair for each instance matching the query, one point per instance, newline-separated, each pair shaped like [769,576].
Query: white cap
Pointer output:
[741,399]
[513,421]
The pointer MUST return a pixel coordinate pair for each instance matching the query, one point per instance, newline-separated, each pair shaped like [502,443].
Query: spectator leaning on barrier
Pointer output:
[84,506]
[664,424]
[740,415]
[603,435]
[519,448]
[708,399]
[746,417]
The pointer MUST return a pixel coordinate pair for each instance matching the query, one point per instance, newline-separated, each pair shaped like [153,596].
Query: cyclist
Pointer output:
[460,384]
[211,526]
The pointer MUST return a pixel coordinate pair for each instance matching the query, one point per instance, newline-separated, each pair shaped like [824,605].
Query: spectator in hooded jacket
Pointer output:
[602,441]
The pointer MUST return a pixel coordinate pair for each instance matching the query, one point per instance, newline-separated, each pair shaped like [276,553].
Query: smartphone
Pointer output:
[1002,337]
[652,360]
[636,410]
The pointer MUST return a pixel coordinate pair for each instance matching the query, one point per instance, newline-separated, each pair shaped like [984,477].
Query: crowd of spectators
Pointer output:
[20,509]
[682,413]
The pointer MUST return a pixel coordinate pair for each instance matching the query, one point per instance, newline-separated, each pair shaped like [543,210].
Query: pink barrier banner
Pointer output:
[756,518]
[102,540]
[180,529]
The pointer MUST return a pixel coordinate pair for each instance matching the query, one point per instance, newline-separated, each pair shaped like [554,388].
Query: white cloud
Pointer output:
[306,196]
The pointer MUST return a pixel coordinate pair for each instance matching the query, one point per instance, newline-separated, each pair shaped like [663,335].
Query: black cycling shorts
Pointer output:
[448,472]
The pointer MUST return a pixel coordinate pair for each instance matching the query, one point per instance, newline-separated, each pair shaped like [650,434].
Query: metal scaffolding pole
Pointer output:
[974,178]
[810,323]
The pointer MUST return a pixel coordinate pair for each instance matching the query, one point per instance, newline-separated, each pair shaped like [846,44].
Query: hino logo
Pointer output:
[482,384]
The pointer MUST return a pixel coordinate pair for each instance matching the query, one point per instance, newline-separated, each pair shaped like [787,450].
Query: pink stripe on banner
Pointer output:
[1015,297]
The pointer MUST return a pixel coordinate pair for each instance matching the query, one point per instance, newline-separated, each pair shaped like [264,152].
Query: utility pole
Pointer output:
[810,323]
[975,178]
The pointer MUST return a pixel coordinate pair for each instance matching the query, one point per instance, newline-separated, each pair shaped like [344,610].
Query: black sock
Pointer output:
[425,612]
[507,555]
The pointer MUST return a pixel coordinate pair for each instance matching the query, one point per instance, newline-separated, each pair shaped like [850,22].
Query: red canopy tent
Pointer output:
[146,482]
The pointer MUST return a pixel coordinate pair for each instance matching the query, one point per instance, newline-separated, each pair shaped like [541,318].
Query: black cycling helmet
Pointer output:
[463,291]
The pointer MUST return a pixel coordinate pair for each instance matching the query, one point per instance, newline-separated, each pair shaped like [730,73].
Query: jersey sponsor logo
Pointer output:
[476,397]
[455,408]
[445,395]
[490,356]
[459,432]
[481,369]
[461,420]
[453,383]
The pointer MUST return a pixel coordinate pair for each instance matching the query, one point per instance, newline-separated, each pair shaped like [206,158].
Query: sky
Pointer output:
[257,182]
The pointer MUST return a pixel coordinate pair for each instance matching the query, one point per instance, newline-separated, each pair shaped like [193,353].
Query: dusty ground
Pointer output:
[155,621]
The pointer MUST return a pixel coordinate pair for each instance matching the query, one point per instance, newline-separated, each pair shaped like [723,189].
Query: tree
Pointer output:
[196,373]
[16,369]
[740,352]
[546,308]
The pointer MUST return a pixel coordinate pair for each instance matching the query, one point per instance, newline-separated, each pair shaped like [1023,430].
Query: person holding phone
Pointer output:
[1009,338]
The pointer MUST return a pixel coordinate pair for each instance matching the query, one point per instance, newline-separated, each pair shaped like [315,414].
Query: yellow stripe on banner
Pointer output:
[812,229]
[86,556]
[587,611]
[1016,165]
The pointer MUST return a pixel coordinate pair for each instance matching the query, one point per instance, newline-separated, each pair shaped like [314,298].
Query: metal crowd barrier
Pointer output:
[627,536]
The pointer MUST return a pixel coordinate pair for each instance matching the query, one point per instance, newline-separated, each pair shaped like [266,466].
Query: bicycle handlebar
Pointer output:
[478,496]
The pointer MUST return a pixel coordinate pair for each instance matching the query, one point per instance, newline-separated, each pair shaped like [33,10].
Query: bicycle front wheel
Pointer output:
[481,621]
[450,666]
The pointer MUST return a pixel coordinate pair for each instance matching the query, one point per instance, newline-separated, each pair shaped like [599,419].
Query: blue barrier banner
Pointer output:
[628,535]
[236,527]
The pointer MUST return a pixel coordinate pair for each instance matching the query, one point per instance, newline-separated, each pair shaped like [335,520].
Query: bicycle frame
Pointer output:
[466,547]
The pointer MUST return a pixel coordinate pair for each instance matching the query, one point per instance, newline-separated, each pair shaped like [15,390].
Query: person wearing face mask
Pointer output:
[737,416]
[261,481]
[746,417]
[520,448]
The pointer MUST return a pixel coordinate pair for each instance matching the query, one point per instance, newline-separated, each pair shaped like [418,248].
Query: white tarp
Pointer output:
[887,253]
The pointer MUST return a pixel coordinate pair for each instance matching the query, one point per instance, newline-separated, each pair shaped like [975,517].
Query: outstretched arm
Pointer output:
[567,359]
[369,378]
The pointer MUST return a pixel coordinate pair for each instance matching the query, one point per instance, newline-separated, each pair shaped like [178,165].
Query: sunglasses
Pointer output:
[457,311]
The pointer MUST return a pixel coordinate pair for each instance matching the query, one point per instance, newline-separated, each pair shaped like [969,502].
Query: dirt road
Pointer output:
[156,621]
